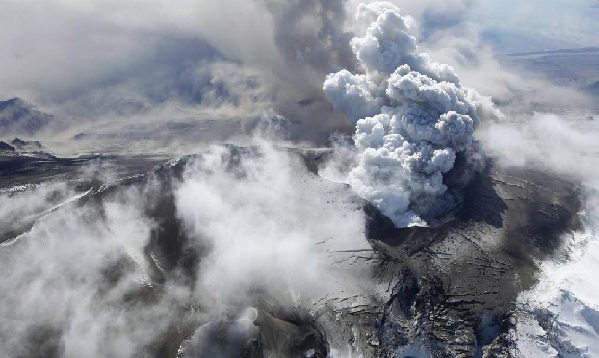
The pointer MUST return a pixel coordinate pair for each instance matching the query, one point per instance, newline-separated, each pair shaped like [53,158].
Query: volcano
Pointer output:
[449,290]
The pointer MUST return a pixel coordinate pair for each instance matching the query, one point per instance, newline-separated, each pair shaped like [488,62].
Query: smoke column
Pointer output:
[412,118]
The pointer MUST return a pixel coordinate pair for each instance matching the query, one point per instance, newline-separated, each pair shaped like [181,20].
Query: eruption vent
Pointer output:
[412,118]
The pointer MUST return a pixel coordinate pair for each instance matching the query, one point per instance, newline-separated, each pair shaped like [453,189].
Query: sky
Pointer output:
[89,58]
[572,23]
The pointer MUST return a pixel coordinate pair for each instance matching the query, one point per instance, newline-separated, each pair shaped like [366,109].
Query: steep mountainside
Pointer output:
[18,117]
[448,291]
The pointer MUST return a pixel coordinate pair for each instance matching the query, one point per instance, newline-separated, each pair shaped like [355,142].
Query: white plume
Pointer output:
[412,117]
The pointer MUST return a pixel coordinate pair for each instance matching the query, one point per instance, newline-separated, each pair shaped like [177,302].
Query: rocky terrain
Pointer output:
[448,291]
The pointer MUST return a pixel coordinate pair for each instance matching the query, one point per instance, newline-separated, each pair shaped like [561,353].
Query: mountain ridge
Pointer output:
[18,117]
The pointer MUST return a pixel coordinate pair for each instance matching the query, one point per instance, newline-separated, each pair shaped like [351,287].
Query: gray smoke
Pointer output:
[311,32]
[130,60]
[412,116]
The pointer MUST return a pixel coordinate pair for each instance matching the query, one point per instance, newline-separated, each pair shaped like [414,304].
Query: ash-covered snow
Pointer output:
[561,317]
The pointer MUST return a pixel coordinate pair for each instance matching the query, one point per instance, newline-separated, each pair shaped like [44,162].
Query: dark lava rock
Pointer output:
[6,146]
[474,266]
[272,335]
[32,145]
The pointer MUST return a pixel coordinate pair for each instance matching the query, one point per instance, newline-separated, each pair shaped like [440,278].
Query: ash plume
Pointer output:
[311,32]
[413,118]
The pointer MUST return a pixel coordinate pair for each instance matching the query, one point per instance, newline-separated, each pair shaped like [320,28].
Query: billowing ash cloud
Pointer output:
[412,115]
[311,32]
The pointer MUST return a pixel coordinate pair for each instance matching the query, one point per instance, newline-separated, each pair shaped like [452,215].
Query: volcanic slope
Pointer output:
[447,291]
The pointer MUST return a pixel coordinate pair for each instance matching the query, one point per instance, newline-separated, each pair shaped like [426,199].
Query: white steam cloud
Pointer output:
[80,282]
[264,230]
[412,118]
[56,299]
